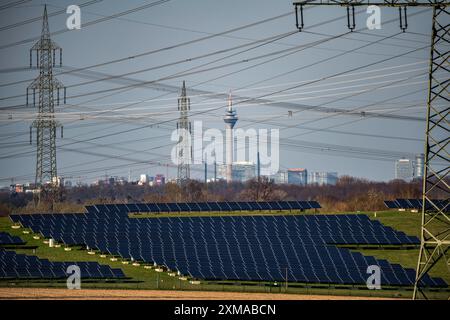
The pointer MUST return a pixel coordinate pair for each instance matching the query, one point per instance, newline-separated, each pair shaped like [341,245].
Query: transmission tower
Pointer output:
[45,85]
[435,231]
[184,148]
[435,225]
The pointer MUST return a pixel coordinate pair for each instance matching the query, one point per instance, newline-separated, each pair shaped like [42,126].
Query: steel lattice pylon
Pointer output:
[184,148]
[46,85]
[435,226]
[435,231]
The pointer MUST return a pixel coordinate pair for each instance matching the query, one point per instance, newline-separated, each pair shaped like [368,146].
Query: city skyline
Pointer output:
[137,133]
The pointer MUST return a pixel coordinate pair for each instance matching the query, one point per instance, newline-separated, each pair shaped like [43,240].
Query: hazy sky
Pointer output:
[372,71]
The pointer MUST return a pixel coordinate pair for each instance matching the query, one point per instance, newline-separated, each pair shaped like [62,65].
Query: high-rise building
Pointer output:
[280,177]
[240,171]
[298,176]
[404,169]
[419,166]
[159,180]
[230,120]
[144,179]
[243,171]
[323,178]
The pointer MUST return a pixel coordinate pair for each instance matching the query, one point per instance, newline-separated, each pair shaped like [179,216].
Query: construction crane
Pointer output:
[435,222]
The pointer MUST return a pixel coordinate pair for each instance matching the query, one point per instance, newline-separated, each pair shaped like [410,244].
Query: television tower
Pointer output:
[46,85]
[184,144]
[230,120]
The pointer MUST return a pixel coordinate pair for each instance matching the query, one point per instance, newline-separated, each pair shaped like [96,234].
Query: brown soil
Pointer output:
[99,294]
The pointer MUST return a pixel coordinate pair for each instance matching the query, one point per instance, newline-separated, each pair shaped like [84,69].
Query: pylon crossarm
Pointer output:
[386,3]
[34,84]
[57,84]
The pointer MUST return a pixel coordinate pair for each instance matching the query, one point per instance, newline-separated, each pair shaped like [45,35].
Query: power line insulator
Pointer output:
[351,24]
[403,18]
[299,22]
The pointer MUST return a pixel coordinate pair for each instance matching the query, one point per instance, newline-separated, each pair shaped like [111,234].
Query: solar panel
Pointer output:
[132,207]
[102,208]
[264,205]
[224,206]
[403,204]
[184,207]
[214,206]
[390,204]
[121,207]
[234,206]
[415,203]
[142,207]
[6,238]
[245,206]
[315,205]
[305,205]
[173,207]
[201,206]
[163,207]
[295,205]
[204,206]
[284,205]
[274,205]
[20,266]
[193,206]
[254,205]
[91,209]
[237,247]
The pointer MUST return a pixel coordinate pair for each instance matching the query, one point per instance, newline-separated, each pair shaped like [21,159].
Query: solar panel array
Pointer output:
[205,206]
[260,248]
[6,238]
[20,266]
[417,204]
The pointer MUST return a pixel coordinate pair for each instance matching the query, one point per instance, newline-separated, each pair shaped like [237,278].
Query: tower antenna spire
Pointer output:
[230,120]
[230,102]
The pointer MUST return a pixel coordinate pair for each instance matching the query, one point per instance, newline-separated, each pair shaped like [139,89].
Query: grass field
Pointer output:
[140,278]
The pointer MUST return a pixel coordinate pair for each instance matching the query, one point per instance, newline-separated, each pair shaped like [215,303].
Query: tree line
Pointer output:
[348,195]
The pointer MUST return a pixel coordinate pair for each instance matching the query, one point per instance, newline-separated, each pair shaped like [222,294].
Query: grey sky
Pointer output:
[359,146]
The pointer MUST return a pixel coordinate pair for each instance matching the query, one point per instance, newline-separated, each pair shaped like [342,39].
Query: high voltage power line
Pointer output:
[89,23]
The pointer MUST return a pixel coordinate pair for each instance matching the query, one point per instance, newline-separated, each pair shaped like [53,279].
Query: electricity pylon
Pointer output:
[435,231]
[46,85]
[184,147]
[435,225]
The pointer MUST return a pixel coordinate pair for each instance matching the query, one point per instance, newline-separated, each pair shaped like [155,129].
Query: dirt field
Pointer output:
[91,294]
